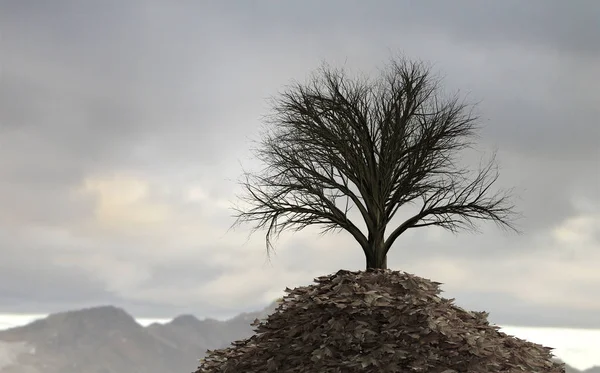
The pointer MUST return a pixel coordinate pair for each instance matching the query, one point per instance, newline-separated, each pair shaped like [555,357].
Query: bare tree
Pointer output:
[376,144]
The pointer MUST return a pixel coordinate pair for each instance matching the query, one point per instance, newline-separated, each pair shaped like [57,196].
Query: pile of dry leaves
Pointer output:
[377,321]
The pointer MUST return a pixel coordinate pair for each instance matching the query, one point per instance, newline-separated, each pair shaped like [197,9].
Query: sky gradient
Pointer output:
[124,127]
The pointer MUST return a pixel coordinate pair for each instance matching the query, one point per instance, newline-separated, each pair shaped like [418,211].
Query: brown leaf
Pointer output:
[377,321]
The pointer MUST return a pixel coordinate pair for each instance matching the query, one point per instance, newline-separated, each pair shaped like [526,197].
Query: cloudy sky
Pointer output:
[124,127]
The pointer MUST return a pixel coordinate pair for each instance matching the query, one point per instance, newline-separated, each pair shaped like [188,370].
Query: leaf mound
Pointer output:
[376,321]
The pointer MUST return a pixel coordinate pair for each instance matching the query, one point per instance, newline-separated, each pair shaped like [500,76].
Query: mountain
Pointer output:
[108,340]
[569,369]
[102,339]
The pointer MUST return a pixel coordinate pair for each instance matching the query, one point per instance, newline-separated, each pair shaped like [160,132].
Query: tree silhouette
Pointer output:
[375,144]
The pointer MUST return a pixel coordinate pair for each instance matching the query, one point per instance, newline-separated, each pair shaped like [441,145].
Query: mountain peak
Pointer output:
[98,319]
[185,320]
[108,313]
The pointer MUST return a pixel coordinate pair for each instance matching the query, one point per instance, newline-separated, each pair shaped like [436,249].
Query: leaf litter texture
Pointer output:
[376,321]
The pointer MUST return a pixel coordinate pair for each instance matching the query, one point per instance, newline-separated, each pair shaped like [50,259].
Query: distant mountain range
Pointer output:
[569,369]
[108,340]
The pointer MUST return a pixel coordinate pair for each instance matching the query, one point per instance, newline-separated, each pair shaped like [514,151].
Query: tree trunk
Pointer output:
[377,262]
[377,258]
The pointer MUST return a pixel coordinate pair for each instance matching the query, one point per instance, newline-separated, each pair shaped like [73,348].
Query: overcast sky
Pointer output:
[124,126]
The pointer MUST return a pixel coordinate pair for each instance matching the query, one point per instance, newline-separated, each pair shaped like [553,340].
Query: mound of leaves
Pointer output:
[376,321]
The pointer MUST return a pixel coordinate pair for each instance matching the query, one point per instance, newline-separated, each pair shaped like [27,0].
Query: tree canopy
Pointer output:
[377,144]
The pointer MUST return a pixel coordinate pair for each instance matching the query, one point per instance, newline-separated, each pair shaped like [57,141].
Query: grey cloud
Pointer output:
[561,26]
[29,283]
[32,282]
[173,91]
[550,24]
[505,309]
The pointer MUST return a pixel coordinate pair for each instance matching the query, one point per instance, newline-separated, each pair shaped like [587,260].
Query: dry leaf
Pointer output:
[376,321]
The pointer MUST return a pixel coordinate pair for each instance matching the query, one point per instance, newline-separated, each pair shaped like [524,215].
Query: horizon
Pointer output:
[574,346]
